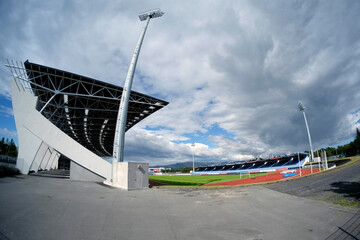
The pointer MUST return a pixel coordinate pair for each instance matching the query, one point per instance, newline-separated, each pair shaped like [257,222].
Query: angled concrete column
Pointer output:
[38,138]
[54,157]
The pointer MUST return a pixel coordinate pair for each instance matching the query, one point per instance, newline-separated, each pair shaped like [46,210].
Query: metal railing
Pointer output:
[8,160]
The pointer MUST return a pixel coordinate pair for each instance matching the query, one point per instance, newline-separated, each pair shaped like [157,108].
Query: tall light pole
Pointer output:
[302,109]
[193,146]
[299,163]
[119,139]
[317,150]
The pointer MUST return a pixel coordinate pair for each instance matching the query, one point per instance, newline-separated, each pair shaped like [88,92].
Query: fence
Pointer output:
[7,160]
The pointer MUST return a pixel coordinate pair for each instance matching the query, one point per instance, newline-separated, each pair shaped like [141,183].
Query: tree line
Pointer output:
[350,149]
[175,170]
[8,147]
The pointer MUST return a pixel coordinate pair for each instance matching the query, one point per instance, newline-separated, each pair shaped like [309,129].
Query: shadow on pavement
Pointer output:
[348,189]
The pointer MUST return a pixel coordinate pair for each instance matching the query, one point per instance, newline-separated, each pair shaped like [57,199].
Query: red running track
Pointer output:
[154,183]
[262,179]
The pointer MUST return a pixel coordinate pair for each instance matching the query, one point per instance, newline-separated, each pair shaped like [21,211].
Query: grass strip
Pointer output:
[197,180]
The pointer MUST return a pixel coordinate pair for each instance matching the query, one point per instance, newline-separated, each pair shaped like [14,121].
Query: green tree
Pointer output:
[8,147]
[357,141]
[350,149]
[12,149]
[3,146]
[186,169]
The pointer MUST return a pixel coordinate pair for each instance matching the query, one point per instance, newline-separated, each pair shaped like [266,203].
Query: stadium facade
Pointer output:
[58,113]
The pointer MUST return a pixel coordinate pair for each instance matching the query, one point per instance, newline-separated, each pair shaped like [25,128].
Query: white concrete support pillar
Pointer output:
[46,157]
[55,163]
[50,163]
[38,157]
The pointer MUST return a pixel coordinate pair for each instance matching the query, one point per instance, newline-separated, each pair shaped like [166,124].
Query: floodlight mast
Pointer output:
[302,109]
[193,146]
[119,140]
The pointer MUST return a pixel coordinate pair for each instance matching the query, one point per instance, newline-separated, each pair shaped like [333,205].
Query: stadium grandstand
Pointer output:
[60,114]
[282,163]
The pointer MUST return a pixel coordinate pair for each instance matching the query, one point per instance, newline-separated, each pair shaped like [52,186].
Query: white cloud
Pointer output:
[6,112]
[8,133]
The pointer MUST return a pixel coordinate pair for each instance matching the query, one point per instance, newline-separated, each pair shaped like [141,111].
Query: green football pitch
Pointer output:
[196,180]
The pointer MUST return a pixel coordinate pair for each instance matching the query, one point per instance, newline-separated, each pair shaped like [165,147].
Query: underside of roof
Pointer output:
[84,108]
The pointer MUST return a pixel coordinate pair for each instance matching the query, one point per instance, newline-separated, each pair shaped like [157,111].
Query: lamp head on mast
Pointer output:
[301,106]
[151,13]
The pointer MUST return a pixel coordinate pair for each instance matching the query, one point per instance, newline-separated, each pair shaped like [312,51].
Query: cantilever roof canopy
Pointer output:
[84,108]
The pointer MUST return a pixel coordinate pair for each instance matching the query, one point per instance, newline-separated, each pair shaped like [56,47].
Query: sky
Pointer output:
[233,71]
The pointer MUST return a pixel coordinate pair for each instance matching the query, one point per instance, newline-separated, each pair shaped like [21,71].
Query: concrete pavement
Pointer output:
[50,208]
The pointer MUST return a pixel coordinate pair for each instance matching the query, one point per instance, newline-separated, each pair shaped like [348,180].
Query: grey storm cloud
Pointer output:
[303,51]
[242,65]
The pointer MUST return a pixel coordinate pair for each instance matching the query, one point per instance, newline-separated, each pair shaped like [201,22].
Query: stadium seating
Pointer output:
[268,165]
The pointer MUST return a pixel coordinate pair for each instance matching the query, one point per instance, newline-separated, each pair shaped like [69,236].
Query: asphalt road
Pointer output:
[51,208]
[339,183]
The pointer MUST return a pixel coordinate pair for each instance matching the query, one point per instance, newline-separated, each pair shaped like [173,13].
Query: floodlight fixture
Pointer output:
[151,14]
[301,106]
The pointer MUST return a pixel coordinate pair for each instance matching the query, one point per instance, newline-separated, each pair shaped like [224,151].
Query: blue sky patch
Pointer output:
[7,121]
[199,137]
[158,128]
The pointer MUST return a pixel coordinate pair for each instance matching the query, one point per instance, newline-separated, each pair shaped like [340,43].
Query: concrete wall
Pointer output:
[80,173]
[131,175]
[37,136]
